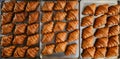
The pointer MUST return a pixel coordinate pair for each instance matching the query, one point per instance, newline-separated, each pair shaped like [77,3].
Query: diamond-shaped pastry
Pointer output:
[114,30]
[6,40]
[59,16]
[114,10]
[59,26]
[48,6]
[113,41]
[61,37]
[59,5]
[60,47]
[72,25]
[47,37]
[47,16]
[7,28]
[19,6]
[70,5]
[100,52]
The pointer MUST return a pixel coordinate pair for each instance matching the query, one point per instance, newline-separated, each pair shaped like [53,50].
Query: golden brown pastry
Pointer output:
[100,21]
[72,25]
[7,51]
[47,16]
[60,47]
[32,29]
[70,5]
[59,16]
[87,32]
[19,39]
[20,28]
[72,14]
[89,52]
[32,6]
[71,49]
[87,21]
[113,41]
[20,17]
[7,28]
[112,51]
[33,17]
[47,28]
[33,40]
[20,52]
[101,9]
[61,37]
[100,52]
[6,40]
[48,6]
[59,5]
[101,42]
[59,26]
[114,30]
[102,32]
[6,18]
[88,42]
[48,37]
[48,49]
[114,10]
[90,9]
[32,52]
[19,6]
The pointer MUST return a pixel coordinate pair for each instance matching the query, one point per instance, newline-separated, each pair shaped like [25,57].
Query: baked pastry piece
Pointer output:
[20,28]
[32,29]
[59,26]
[19,6]
[101,42]
[111,22]
[60,47]
[89,52]
[100,53]
[90,9]
[33,40]
[114,10]
[61,37]
[100,21]
[113,41]
[59,5]
[70,5]
[32,6]
[6,18]
[47,37]
[8,6]
[32,52]
[112,51]
[7,51]
[47,27]
[87,21]
[59,16]
[72,14]
[20,52]
[19,39]
[102,32]
[7,28]
[6,40]
[114,30]
[47,16]
[33,17]
[88,42]
[101,9]
[48,6]
[48,49]
[20,17]
[87,32]
[72,25]
[71,49]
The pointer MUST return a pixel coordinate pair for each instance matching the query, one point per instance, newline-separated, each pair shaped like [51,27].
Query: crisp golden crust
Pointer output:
[47,37]
[48,6]
[114,10]
[72,25]
[19,6]
[20,28]
[6,40]
[100,53]
[114,30]
[59,26]
[59,16]
[70,5]
[59,5]
[113,41]
[61,37]
[19,39]
[32,6]
[60,47]
[7,28]
[47,16]
[48,49]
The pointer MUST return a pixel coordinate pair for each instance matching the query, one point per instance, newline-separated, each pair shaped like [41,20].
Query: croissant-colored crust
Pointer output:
[19,6]
[47,37]
[114,30]
[60,47]
[113,41]
[114,10]
[87,21]
[89,52]
[90,9]
[59,16]
[101,9]
[60,37]
[48,6]
[19,39]
[100,53]
[59,26]
[100,21]
[7,28]
[47,16]
[60,5]
[87,32]
[101,42]
[88,42]
[72,25]
[70,5]
[102,32]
